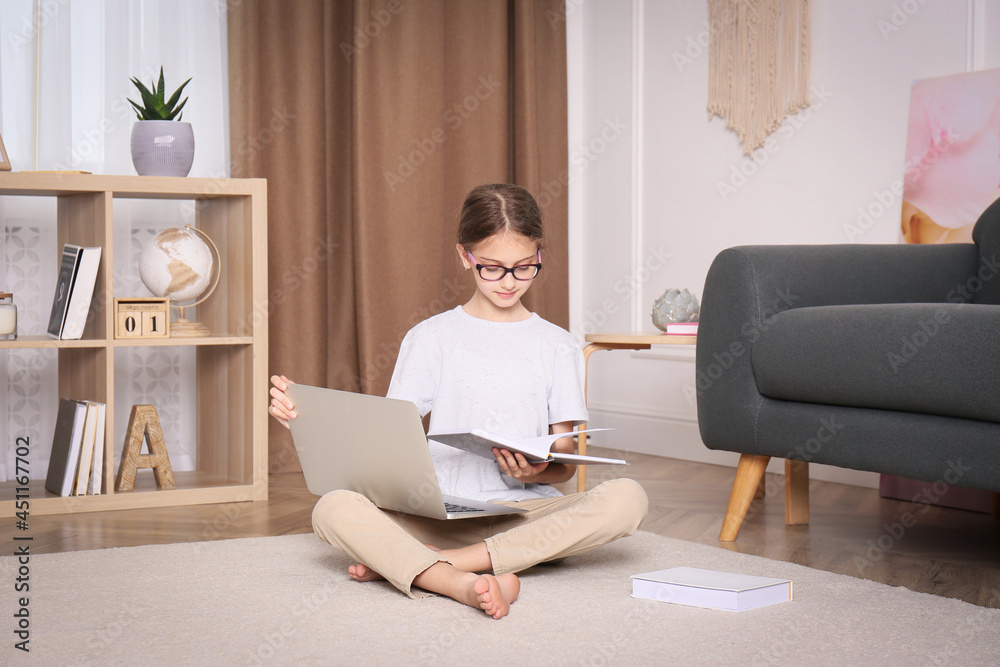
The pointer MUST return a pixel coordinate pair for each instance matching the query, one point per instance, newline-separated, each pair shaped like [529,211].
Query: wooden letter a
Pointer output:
[144,422]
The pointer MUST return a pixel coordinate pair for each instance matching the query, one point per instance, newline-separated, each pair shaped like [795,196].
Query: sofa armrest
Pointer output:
[748,285]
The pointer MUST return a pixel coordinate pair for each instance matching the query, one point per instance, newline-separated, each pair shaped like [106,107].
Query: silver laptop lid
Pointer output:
[369,444]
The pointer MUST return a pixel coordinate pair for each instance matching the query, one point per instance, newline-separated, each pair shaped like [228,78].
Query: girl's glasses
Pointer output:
[494,272]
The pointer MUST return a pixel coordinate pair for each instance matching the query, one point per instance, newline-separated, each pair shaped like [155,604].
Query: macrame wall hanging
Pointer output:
[758,65]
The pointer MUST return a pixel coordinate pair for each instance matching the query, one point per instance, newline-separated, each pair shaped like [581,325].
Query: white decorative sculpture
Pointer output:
[675,305]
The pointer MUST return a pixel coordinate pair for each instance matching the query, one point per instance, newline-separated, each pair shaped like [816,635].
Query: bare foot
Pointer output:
[496,593]
[492,594]
[362,572]
[510,586]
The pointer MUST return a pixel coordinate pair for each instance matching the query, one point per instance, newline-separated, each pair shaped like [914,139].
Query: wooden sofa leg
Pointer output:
[749,473]
[796,492]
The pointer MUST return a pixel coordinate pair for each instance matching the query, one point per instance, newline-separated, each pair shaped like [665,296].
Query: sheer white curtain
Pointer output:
[65,70]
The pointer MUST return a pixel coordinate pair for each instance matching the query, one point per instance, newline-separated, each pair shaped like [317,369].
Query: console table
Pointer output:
[619,341]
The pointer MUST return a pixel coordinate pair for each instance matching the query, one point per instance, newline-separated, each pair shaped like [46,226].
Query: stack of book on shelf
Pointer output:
[76,464]
[74,291]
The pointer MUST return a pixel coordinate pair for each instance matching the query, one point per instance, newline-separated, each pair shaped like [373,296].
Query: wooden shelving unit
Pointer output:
[231,375]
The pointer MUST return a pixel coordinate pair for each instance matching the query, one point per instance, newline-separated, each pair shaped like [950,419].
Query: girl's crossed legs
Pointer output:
[397,546]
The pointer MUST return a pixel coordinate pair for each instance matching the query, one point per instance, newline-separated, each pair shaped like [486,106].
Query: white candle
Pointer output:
[8,319]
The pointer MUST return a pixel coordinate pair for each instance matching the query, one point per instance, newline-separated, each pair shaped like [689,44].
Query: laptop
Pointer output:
[374,446]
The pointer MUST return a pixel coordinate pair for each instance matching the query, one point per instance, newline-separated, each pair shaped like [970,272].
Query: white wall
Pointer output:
[650,207]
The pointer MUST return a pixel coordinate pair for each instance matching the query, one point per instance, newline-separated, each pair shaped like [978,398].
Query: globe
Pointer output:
[176,264]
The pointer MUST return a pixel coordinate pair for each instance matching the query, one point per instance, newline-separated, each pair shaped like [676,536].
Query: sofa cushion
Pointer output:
[939,358]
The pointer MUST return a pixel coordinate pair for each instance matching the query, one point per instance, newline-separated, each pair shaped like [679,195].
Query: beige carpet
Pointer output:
[287,600]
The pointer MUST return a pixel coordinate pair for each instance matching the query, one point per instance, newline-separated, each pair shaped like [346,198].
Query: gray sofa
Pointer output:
[883,358]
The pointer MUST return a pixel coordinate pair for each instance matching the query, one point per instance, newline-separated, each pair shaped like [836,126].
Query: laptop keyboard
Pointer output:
[451,508]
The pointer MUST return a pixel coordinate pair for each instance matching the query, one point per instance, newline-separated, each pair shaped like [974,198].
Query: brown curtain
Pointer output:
[371,121]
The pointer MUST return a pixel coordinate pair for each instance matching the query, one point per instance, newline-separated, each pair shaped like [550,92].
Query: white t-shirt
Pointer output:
[510,378]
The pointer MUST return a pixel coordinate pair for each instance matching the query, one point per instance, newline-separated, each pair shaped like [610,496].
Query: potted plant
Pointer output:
[162,145]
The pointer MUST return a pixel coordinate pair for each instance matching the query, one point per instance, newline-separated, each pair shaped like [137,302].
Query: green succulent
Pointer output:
[153,107]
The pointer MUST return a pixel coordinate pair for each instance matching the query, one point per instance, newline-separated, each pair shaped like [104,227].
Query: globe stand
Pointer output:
[182,327]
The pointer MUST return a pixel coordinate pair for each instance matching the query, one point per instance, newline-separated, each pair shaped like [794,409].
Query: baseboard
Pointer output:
[678,437]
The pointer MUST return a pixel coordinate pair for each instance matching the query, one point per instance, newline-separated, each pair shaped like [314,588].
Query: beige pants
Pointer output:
[393,544]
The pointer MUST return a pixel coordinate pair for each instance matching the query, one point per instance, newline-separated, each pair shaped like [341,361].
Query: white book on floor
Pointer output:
[536,450]
[710,589]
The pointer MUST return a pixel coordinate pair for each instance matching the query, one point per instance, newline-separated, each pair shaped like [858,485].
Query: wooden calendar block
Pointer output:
[141,317]
[154,323]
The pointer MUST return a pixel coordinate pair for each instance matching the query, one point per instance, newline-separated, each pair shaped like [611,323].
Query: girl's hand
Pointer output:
[281,407]
[516,466]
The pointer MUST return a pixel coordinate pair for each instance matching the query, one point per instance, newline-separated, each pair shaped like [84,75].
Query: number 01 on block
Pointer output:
[142,318]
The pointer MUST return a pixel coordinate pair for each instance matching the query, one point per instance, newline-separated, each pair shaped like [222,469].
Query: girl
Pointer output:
[491,364]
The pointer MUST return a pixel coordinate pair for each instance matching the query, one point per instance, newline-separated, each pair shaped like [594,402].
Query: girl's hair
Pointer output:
[497,209]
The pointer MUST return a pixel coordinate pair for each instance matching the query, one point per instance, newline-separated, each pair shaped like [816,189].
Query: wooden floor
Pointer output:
[852,531]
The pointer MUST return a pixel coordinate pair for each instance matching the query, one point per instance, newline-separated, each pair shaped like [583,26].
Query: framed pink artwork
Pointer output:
[952,156]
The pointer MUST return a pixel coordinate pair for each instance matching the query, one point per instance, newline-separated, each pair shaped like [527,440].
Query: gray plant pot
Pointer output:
[162,147]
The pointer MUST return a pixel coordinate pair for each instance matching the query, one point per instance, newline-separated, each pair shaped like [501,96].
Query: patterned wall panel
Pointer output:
[28,378]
